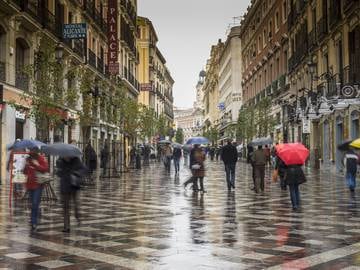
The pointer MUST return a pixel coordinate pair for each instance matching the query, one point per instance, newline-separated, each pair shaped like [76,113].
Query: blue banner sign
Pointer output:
[74,31]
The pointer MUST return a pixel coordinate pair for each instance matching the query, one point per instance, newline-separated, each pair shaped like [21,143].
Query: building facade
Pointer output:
[264,41]
[189,120]
[230,88]
[24,25]
[156,82]
[210,88]
[324,71]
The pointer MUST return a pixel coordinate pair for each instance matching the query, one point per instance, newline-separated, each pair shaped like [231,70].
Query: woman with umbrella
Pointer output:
[294,156]
[70,170]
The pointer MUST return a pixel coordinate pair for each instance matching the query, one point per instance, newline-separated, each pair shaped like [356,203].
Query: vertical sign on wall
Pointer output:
[112,17]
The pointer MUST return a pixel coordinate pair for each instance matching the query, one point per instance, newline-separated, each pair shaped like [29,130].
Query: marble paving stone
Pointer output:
[50,232]
[256,256]
[114,234]
[22,255]
[144,239]
[142,250]
[107,244]
[3,247]
[353,267]
[54,264]
[77,238]
[313,242]
[339,236]
[287,248]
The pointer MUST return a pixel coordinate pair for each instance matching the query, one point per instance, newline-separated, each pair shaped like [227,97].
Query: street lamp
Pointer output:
[59,52]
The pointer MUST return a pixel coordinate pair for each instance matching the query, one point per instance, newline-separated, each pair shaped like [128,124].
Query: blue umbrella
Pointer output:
[198,140]
[26,144]
[61,150]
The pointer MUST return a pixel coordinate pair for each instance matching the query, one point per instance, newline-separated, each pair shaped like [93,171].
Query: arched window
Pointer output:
[2,54]
[21,60]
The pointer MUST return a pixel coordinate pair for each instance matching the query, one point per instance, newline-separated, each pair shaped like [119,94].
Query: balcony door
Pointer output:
[354,56]
[21,60]
[2,54]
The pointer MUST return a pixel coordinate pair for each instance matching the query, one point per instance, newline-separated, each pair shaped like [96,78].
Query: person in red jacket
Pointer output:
[35,163]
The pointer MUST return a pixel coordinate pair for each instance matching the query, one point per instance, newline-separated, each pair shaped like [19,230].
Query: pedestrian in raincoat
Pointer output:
[90,158]
[281,168]
[35,163]
[258,159]
[197,166]
[350,164]
[104,155]
[70,170]
[167,154]
[229,157]
[294,176]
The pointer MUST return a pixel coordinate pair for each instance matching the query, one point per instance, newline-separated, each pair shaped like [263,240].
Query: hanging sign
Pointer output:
[113,45]
[74,31]
[306,123]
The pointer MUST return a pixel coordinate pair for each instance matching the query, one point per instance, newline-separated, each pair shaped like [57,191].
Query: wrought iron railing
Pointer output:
[92,58]
[2,71]
[78,47]
[322,28]
[21,81]
[100,65]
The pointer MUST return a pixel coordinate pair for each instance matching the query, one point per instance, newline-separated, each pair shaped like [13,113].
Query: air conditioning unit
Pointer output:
[350,91]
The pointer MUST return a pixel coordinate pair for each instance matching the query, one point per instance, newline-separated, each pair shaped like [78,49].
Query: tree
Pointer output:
[179,137]
[147,122]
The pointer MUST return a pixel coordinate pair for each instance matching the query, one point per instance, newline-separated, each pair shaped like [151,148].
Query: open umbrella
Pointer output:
[25,144]
[292,153]
[345,145]
[165,142]
[177,145]
[61,150]
[355,143]
[261,141]
[197,140]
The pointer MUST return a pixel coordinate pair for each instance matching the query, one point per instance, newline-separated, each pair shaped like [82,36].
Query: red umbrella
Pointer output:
[292,153]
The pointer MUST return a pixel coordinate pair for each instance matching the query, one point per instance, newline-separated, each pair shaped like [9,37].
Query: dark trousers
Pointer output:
[194,181]
[230,174]
[66,198]
[259,177]
[294,195]
[35,198]
[168,163]
[177,164]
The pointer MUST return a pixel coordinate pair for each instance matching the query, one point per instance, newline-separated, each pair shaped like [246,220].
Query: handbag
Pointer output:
[195,167]
[275,175]
[76,180]
[42,178]
[19,178]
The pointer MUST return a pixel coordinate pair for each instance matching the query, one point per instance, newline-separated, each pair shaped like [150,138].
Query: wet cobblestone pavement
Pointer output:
[146,220]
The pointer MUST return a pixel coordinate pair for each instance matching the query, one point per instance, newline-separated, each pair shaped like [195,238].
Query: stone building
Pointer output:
[210,88]
[189,120]
[324,71]
[23,24]
[230,89]
[156,82]
[264,43]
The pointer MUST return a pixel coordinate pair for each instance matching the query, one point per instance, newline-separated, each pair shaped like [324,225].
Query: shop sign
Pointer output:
[74,31]
[221,106]
[113,45]
[306,126]
[20,115]
[146,87]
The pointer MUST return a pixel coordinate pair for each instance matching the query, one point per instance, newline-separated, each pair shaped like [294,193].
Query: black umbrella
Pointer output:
[345,145]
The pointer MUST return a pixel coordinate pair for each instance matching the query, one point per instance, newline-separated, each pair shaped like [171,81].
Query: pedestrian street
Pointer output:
[146,220]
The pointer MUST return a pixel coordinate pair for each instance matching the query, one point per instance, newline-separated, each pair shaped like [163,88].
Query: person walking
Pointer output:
[167,153]
[217,153]
[294,176]
[259,160]
[104,157]
[212,153]
[267,155]
[229,156]
[70,170]
[90,158]
[281,168]
[350,164]
[197,159]
[35,163]
[177,153]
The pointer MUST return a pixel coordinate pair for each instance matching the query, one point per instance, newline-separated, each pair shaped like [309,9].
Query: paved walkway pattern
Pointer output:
[146,220]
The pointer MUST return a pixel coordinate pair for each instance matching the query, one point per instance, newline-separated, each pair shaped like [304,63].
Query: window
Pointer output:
[70,17]
[313,13]
[264,38]
[270,29]
[284,11]
[277,23]
[285,60]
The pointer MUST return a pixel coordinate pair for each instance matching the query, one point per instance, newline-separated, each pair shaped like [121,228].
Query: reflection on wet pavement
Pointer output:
[146,220]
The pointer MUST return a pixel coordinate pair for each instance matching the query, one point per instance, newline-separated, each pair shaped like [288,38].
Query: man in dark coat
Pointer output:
[229,156]
[294,176]
[104,157]
[70,170]
[350,163]
[90,158]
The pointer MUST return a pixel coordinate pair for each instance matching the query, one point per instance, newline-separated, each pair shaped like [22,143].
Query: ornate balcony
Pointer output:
[78,47]
[2,71]
[312,39]
[347,4]
[335,13]
[22,81]
[49,22]
[33,8]
[92,58]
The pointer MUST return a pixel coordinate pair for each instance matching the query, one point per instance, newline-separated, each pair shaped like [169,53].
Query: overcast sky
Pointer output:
[186,30]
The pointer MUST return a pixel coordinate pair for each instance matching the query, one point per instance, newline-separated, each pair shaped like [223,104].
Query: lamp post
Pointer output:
[59,53]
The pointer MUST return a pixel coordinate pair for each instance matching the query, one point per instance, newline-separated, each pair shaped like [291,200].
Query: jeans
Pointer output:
[35,198]
[230,174]
[167,163]
[66,198]
[351,180]
[201,182]
[177,164]
[294,195]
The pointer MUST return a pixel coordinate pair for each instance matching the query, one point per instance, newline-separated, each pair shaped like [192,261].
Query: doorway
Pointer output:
[339,140]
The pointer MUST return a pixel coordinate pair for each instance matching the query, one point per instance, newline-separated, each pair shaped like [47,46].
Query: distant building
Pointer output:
[230,89]
[189,120]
